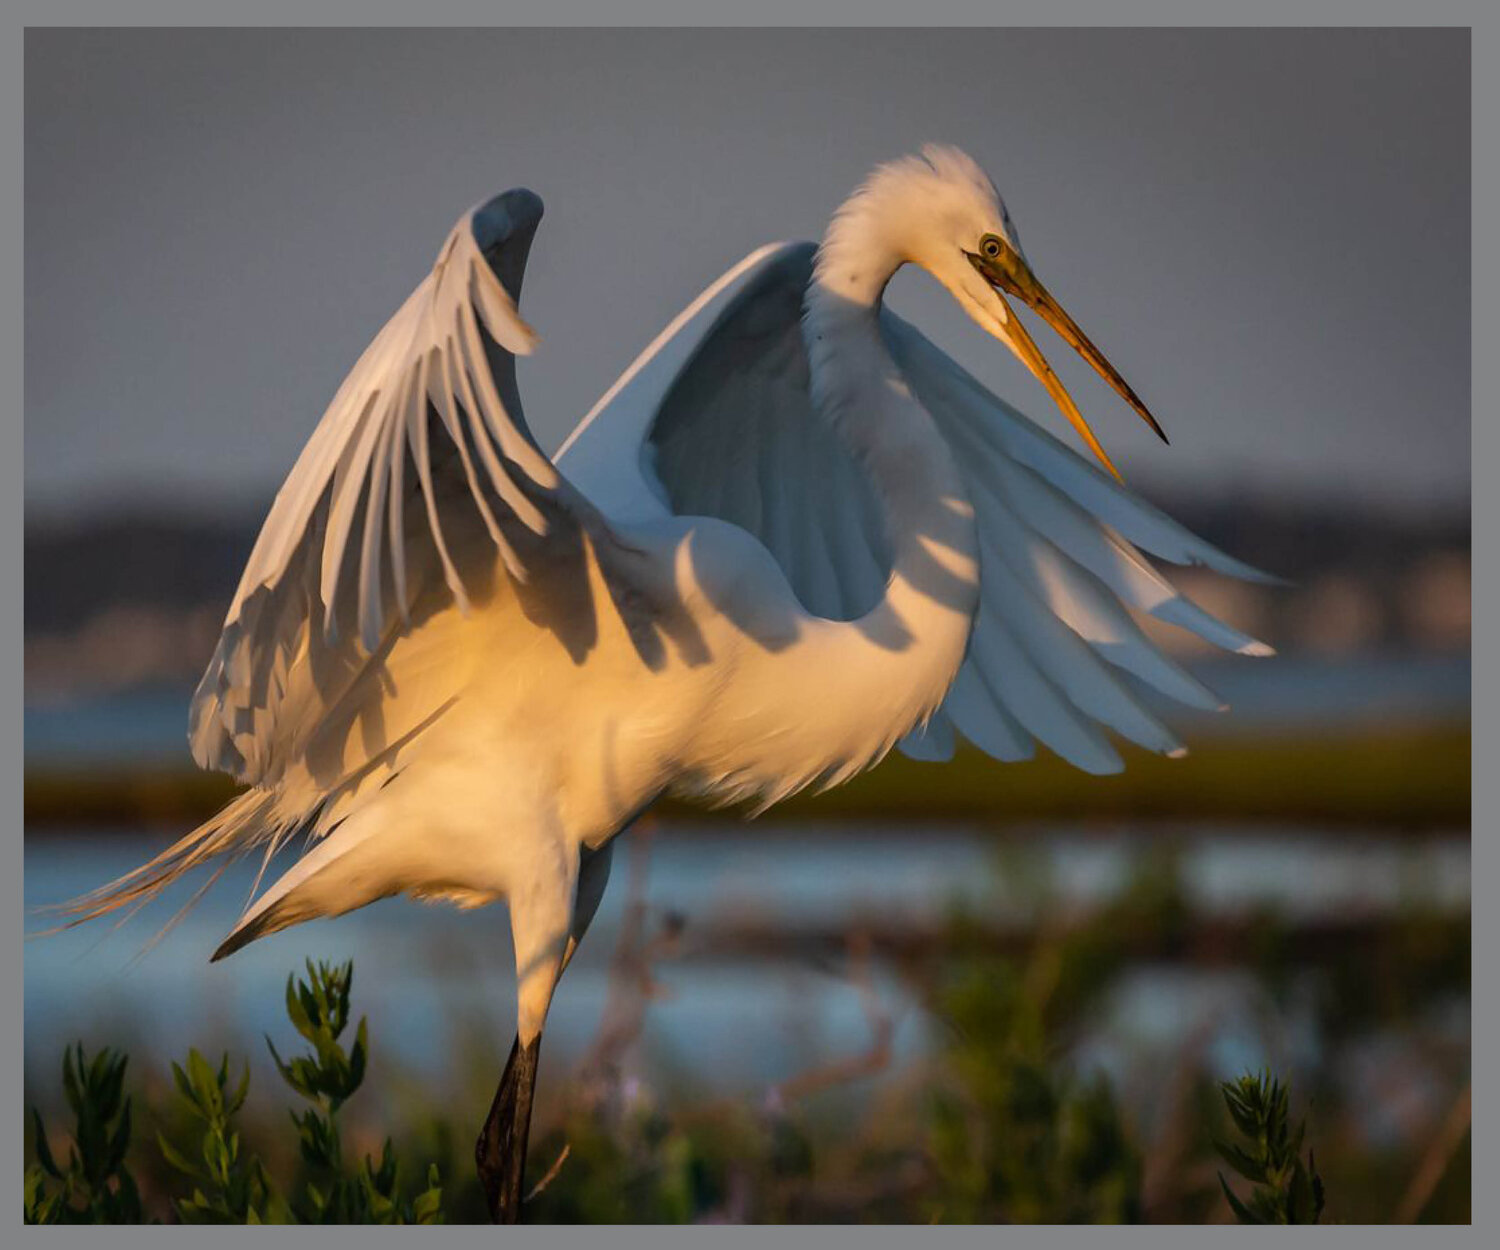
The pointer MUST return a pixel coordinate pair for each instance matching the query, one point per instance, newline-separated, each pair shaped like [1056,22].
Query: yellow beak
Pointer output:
[1009,272]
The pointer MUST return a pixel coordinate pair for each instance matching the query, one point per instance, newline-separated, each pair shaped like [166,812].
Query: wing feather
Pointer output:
[1100,549]
[933,742]
[733,434]
[424,389]
[1076,599]
[1037,705]
[982,718]
[1066,660]
[441,397]
[855,547]
[480,388]
[350,475]
[457,392]
[1058,573]
[1021,440]
[369,555]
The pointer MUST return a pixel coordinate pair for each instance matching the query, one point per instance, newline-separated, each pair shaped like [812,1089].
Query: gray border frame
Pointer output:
[1456,13]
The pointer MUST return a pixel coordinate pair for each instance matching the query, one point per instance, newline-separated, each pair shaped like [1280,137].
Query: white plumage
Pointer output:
[792,535]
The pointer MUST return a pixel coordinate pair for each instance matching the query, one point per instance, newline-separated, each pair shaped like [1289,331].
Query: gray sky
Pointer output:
[1267,231]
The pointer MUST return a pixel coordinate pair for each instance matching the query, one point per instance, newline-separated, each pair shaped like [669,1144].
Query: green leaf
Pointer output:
[1250,1168]
[358,1056]
[237,1099]
[1241,1211]
[1299,1198]
[119,1141]
[427,1206]
[179,1078]
[216,1156]
[1294,1141]
[175,1157]
[201,1091]
[277,1209]
[71,1090]
[296,1011]
[43,1148]
[282,1067]
[126,1206]
[103,1083]
[42,1207]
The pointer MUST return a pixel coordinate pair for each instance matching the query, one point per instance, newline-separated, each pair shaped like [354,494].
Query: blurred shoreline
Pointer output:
[135,597]
[1411,777]
[1361,720]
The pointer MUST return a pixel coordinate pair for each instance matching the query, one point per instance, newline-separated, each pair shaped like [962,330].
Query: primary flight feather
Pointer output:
[793,535]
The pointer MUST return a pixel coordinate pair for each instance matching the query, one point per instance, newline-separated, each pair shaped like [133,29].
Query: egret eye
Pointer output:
[990,245]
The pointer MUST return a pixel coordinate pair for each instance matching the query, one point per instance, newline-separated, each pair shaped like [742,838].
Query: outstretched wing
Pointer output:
[1059,567]
[716,418]
[422,465]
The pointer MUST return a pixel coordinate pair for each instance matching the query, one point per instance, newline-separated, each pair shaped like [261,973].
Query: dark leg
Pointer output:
[500,1152]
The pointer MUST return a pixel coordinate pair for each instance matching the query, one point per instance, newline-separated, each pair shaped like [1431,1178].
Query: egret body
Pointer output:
[793,535]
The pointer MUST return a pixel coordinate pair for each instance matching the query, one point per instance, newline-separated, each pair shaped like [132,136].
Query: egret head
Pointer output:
[941,211]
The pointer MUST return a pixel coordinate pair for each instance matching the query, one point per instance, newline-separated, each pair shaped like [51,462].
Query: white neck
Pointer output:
[909,645]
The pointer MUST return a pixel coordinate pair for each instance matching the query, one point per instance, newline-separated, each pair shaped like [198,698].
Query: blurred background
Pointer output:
[876,1003]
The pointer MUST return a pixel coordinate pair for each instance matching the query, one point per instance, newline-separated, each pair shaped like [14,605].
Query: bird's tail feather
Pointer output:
[248,821]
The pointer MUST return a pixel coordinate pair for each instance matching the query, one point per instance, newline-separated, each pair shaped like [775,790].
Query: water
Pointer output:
[425,973]
[429,977]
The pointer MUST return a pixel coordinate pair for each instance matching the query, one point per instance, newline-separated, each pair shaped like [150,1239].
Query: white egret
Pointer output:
[793,535]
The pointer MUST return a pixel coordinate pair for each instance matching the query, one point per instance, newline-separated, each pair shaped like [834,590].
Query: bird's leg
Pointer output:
[548,922]
[500,1152]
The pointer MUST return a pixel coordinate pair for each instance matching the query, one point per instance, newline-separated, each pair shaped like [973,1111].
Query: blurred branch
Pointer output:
[1164,1177]
[631,983]
[882,1028]
[551,1173]
[1435,1162]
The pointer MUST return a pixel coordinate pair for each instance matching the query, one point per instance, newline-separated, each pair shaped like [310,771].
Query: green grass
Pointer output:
[1409,776]
[1414,777]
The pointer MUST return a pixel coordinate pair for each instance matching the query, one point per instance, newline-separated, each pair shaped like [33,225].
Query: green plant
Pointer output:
[1286,1191]
[230,1185]
[319,1010]
[95,1187]
[1014,1137]
[228,1189]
